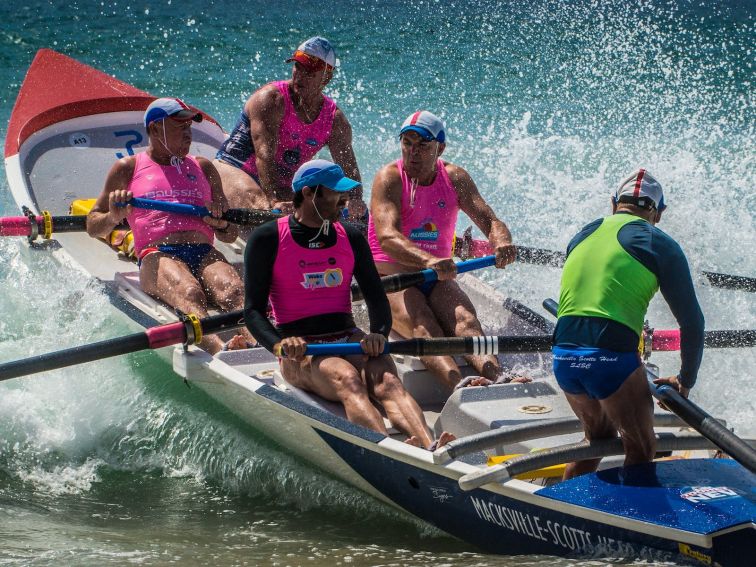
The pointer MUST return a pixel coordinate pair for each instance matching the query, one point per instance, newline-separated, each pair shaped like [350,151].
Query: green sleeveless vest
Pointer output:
[600,279]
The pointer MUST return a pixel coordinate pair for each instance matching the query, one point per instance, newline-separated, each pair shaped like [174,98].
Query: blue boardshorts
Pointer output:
[595,372]
[191,254]
[426,288]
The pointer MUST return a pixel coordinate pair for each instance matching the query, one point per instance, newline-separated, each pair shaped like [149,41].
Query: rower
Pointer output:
[413,214]
[303,264]
[614,266]
[282,125]
[177,261]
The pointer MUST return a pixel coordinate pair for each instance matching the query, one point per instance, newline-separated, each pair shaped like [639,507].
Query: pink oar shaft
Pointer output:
[666,340]
[165,335]
[16,226]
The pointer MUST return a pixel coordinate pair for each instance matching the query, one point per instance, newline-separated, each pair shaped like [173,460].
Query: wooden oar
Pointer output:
[467,247]
[175,333]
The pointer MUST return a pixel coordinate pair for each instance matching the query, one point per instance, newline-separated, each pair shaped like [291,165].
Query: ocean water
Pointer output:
[548,104]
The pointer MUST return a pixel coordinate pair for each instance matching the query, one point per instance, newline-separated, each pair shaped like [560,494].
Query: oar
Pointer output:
[41,225]
[670,340]
[686,410]
[398,282]
[174,333]
[467,247]
[704,423]
[445,346]
[244,217]
[187,331]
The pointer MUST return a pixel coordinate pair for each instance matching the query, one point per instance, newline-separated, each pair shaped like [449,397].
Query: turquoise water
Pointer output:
[548,105]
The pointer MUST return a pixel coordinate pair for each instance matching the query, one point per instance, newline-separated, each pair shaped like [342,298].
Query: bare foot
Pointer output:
[414,441]
[238,342]
[509,377]
[473,381]
[445,438]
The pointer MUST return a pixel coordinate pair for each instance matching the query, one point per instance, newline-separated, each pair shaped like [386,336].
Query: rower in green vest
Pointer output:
[614,267]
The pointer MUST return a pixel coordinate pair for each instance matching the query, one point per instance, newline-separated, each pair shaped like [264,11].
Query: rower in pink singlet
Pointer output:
[309,282]
[429,215]
[166,183]
[298,142]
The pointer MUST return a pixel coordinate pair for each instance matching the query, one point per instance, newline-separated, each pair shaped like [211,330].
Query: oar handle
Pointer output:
[166,206]
[444,346]
[398,282]
[22,226]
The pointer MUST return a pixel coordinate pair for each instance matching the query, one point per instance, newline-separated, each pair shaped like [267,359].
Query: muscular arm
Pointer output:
[224,231]
[379,310]
[265,110]
[104,216]
[259,257]
[475,207]
[386,210]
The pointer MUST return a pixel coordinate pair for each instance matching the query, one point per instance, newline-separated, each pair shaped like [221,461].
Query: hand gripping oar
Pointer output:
[686,410]
[468,247]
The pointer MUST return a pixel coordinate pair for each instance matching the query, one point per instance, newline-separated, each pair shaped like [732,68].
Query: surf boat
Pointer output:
[498,486]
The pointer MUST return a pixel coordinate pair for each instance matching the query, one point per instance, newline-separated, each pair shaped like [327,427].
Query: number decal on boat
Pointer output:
[136,138]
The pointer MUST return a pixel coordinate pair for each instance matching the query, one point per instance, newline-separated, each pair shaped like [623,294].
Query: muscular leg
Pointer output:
[241,191]
[457,317]
[384,386]
[336,379]
[631,410]
[171,281]
[413,317]
[596,425]
[223,286]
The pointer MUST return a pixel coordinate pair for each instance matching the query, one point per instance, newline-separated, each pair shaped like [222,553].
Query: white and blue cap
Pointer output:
[162,108]
[322,172]
[425,123]
[317,47]
[641,189]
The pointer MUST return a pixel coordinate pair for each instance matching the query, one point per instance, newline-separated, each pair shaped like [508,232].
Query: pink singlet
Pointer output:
[308,282]
[428,220]
[163,183]
[297,142]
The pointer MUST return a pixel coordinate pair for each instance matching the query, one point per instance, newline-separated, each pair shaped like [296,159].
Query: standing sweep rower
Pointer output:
[614,267]
[282,125]
[303,264]
[177,261]
[413,214]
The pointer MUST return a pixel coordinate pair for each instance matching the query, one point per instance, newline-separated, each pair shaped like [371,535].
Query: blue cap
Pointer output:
[322,172]
[162,108]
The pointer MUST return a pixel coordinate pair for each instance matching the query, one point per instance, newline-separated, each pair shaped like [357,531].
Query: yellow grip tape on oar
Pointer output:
[47,218]
[554,471]
[196,326]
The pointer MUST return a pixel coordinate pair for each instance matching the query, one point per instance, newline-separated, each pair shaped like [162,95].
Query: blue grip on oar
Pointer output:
[339,348]
[167,207]
[462,267]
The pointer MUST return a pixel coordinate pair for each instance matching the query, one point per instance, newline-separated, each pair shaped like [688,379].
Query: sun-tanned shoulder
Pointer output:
[265,99]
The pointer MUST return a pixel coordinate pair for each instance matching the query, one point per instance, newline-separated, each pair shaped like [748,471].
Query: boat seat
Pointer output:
[313,399]
[127,286]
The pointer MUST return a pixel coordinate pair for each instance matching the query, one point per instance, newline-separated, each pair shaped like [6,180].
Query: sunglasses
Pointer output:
[309,62]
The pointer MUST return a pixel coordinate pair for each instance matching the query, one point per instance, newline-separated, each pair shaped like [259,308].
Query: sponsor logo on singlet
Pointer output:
[427,232]
[329,278]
